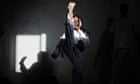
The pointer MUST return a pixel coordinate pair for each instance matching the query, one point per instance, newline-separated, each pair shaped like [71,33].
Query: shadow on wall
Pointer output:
[40,72]
[103,60]
[117,51]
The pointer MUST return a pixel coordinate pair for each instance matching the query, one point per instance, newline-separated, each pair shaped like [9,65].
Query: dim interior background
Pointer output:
[48,16]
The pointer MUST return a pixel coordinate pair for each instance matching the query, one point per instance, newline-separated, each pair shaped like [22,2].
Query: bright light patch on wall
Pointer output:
[29,46]
[43,42]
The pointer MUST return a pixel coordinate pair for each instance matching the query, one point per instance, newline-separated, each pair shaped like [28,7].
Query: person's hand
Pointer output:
[22,60]
[71,6]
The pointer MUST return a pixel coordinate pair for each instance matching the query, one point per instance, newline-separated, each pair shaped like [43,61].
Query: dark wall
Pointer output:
[36,16]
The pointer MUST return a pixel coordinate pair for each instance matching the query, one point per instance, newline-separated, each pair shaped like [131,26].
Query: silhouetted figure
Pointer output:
[123,45]
[40,72]
[72,43]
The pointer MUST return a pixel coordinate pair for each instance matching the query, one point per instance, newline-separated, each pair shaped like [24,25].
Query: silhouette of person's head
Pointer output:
[42,56]
[124,10]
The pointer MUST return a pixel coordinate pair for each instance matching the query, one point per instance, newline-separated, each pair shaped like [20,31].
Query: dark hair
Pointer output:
[78,17]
